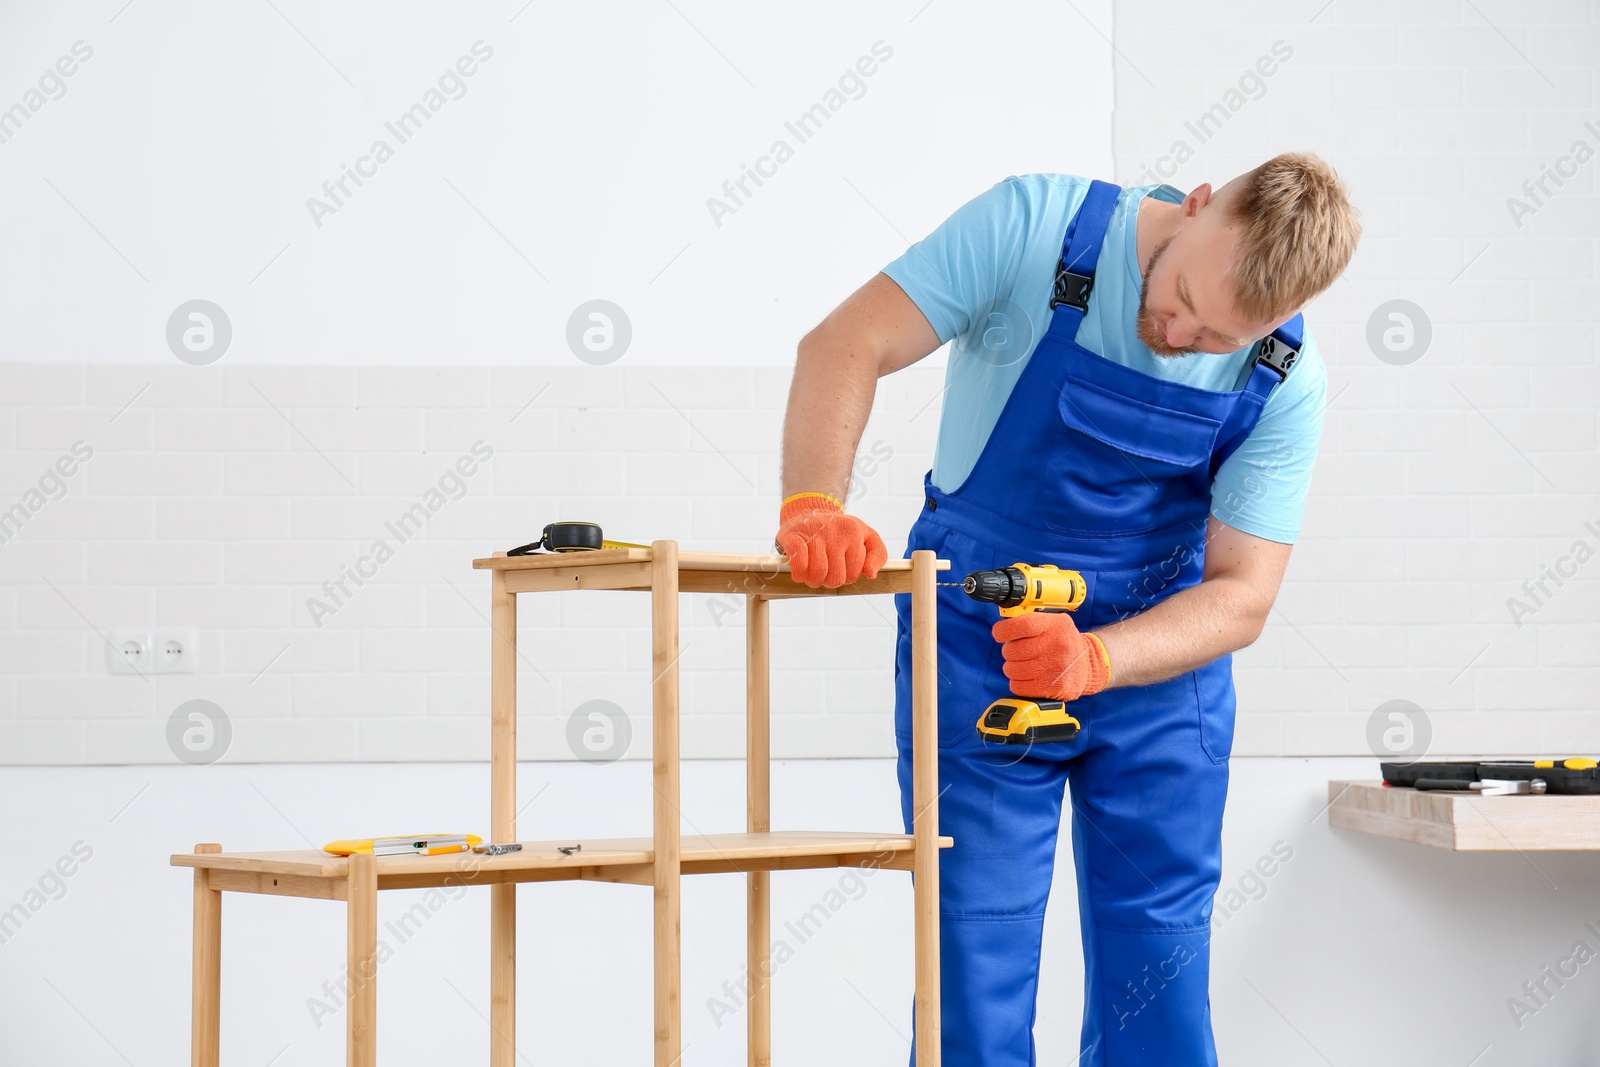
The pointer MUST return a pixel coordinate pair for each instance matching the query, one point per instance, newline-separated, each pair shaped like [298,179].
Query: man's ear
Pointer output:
[1196,200]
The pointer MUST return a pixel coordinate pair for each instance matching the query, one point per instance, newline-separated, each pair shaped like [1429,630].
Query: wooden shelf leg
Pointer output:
[361,1034]
[205,1037]
[925,797]
[666,818]
[502,975]
[503,821]
[758,819]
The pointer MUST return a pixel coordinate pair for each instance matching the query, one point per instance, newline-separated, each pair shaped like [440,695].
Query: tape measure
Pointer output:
[571,537]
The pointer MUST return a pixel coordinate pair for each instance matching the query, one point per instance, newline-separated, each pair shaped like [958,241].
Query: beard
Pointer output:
[1145,323]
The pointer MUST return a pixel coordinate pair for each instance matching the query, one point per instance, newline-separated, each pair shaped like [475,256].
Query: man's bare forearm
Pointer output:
[876,331]
[1184,632]
[830,399]
[1222,614]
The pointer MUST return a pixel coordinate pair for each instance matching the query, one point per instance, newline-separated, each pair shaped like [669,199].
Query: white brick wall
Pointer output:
[221,498]
[204,508]
[206,516]
[1444,484]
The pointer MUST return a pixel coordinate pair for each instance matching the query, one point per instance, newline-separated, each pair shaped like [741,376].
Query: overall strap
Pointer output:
[1080,251]
[1274,355]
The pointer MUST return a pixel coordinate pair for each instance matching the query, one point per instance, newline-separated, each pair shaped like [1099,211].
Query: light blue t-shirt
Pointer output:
[984,279]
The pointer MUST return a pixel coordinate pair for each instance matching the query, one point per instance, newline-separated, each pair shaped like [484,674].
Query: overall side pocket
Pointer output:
[1214,695]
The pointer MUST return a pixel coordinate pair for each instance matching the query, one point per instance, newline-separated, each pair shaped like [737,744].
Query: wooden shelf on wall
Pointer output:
[1466,822]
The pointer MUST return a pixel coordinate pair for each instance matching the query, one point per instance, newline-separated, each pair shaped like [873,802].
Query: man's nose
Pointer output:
[1182,331]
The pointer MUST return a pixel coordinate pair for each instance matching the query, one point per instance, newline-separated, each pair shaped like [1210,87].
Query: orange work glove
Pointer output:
[825,546]
[1046,656]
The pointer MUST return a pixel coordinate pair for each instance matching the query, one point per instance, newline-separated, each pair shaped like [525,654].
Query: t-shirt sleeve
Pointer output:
[1261,488]
[959,270]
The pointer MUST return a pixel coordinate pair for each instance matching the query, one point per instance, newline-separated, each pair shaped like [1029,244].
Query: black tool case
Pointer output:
[1406,774]
[1573,777]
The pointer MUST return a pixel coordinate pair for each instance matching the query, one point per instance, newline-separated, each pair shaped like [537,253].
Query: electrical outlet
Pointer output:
[128,652]
[174,651]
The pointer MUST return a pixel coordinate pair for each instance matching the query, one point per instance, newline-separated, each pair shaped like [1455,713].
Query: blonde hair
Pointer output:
[1299,232]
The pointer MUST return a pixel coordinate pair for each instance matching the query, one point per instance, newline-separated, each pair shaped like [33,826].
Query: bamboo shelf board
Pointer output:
[541,860]
[1466,822]
[698,572]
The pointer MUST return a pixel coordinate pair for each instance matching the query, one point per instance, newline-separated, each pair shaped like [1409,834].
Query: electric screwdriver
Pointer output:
[1018,589]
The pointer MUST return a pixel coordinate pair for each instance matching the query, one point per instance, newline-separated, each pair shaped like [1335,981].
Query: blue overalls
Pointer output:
[1103,469]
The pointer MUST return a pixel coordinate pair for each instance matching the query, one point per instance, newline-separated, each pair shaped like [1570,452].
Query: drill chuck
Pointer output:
[1006,586]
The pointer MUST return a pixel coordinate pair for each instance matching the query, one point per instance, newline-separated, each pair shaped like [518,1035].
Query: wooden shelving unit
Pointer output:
[660,860]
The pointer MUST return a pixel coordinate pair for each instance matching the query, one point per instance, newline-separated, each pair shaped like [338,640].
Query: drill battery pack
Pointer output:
[1578,776]
[1023,721]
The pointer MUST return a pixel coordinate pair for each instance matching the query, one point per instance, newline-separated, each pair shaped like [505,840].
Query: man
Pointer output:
[1130,394]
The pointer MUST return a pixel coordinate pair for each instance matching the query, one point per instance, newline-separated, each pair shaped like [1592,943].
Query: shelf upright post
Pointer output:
[361,955]
[758,820]
[925,798]
[205,1038]
[502,818]
[665,823]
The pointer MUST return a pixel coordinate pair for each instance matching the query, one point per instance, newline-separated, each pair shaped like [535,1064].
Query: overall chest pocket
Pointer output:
[1115,463]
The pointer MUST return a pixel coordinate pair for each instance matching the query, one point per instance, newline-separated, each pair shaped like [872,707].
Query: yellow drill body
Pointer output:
[1018,589]
[1022,587]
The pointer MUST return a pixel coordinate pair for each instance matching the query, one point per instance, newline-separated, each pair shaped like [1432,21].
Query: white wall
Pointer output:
[376,350]
[205,507]
[576,164]
[1446,484]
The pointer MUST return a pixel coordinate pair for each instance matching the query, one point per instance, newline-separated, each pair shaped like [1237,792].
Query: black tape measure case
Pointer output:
[565,537]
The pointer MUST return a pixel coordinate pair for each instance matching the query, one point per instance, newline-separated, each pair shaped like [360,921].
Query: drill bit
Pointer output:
[966,585]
